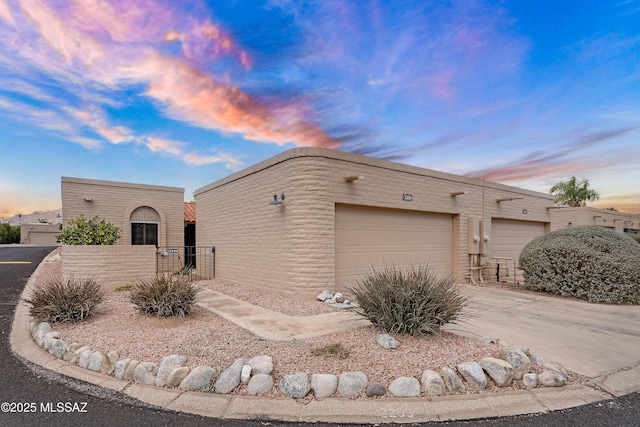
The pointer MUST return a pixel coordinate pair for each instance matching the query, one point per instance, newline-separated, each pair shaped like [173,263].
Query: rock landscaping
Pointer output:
[256,374]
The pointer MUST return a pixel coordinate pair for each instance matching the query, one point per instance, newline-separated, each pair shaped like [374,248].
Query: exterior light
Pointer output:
[487,238]
[352,178]
[88,199]
[508,199]
[275,200]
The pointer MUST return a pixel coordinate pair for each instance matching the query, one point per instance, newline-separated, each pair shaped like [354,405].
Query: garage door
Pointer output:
[368,237]
[508,237]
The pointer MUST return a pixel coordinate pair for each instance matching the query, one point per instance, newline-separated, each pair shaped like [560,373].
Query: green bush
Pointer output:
[165,295]
[82,231]
[414,302]
[635,237]
[586,262]
[9,233]
[59,300]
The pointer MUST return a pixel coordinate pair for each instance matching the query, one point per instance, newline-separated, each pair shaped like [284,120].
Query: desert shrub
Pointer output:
[586,262]
[165,295]
[416,302]
[94,231]
[635,237]
[65,300]
[334,350]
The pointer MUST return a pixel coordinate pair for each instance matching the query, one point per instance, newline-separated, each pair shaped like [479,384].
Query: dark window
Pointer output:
[144,233]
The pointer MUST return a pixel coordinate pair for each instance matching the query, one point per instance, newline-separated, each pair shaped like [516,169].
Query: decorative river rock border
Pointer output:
[255,373]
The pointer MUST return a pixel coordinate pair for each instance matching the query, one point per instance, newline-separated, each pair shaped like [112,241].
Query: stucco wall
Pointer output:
[111,265]
[115,201]
[289,248]
[618,221]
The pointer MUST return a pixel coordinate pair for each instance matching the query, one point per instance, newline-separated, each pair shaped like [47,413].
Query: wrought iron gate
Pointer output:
[198,262]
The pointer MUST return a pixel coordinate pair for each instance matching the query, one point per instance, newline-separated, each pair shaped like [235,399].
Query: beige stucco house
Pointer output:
[343,213]
[145,214]
[618,221]
[39,234]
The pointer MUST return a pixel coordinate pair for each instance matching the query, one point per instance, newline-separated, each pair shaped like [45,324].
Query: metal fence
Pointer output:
[199,262]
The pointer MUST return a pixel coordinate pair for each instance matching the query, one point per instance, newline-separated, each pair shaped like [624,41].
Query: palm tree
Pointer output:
[574,193]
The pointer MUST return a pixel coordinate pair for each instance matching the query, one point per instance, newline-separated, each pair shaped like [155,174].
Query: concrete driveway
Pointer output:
[589,339]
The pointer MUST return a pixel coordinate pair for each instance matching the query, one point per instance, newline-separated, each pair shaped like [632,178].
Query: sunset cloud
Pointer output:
[190,95]
[105,46]
[5,11]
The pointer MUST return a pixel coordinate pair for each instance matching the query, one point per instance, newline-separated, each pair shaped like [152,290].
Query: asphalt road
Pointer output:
[42,398]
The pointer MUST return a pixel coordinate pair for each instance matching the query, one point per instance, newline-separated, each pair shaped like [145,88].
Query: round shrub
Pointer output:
[165,295]
[59,300]
[415,302]
[94,231]
[587,262]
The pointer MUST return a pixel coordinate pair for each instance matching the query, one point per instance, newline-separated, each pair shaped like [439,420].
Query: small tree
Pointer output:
[9,233]
[95,231]
[574,193]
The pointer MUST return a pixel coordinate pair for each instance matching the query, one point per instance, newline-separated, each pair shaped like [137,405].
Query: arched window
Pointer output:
[145,225]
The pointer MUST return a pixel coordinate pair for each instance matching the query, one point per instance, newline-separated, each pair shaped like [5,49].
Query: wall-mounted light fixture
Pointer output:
[352,178]
[457,193]
[88,199]
[487,238]
[476,239]
[508,199]
[275,200]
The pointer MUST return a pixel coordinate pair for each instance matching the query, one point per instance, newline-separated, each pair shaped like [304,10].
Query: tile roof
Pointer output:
[190,212]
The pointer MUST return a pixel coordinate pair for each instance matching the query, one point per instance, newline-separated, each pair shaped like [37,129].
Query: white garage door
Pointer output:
[509,237]
[368,237]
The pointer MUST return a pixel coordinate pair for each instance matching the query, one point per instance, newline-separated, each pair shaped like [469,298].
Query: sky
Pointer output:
[183,93]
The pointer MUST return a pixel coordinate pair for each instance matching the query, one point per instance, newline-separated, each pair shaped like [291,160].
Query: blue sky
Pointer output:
[526,93]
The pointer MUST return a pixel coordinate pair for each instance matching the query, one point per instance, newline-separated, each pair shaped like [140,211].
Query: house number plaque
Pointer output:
[407,197]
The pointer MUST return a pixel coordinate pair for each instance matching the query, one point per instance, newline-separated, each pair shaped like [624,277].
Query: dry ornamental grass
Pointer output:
[207,339]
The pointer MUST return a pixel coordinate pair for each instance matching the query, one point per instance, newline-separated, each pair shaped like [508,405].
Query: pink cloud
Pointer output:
[191,95]
[69,43]
[526,170]
[98,123]
[198,160]
[5,12]
[163,145]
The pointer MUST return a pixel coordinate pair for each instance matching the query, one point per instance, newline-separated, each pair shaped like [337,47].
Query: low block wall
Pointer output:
[111,265]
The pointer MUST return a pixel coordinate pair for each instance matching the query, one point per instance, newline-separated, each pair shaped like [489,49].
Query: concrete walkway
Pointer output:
[599,341]
[594,340]
[276,326]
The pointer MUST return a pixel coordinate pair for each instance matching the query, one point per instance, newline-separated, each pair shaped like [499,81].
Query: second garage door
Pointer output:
[508,237]
[368,237]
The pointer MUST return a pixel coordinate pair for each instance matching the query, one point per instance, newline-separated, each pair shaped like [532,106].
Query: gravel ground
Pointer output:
[207,339]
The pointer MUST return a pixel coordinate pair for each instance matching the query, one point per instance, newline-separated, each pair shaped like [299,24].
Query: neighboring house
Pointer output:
[618,221]
[145,214]
[343,213]
[39,234]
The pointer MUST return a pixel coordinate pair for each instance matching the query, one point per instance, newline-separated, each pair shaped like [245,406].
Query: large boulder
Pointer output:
[145,373]
[324,385]
[168,364]
[452,381]
[500,371]
[198,379]
[474,375]
[351,383]
[229,379]
[261,365]
[260,384]
[518,360]
[432,383]
[296,386]
[405,387]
